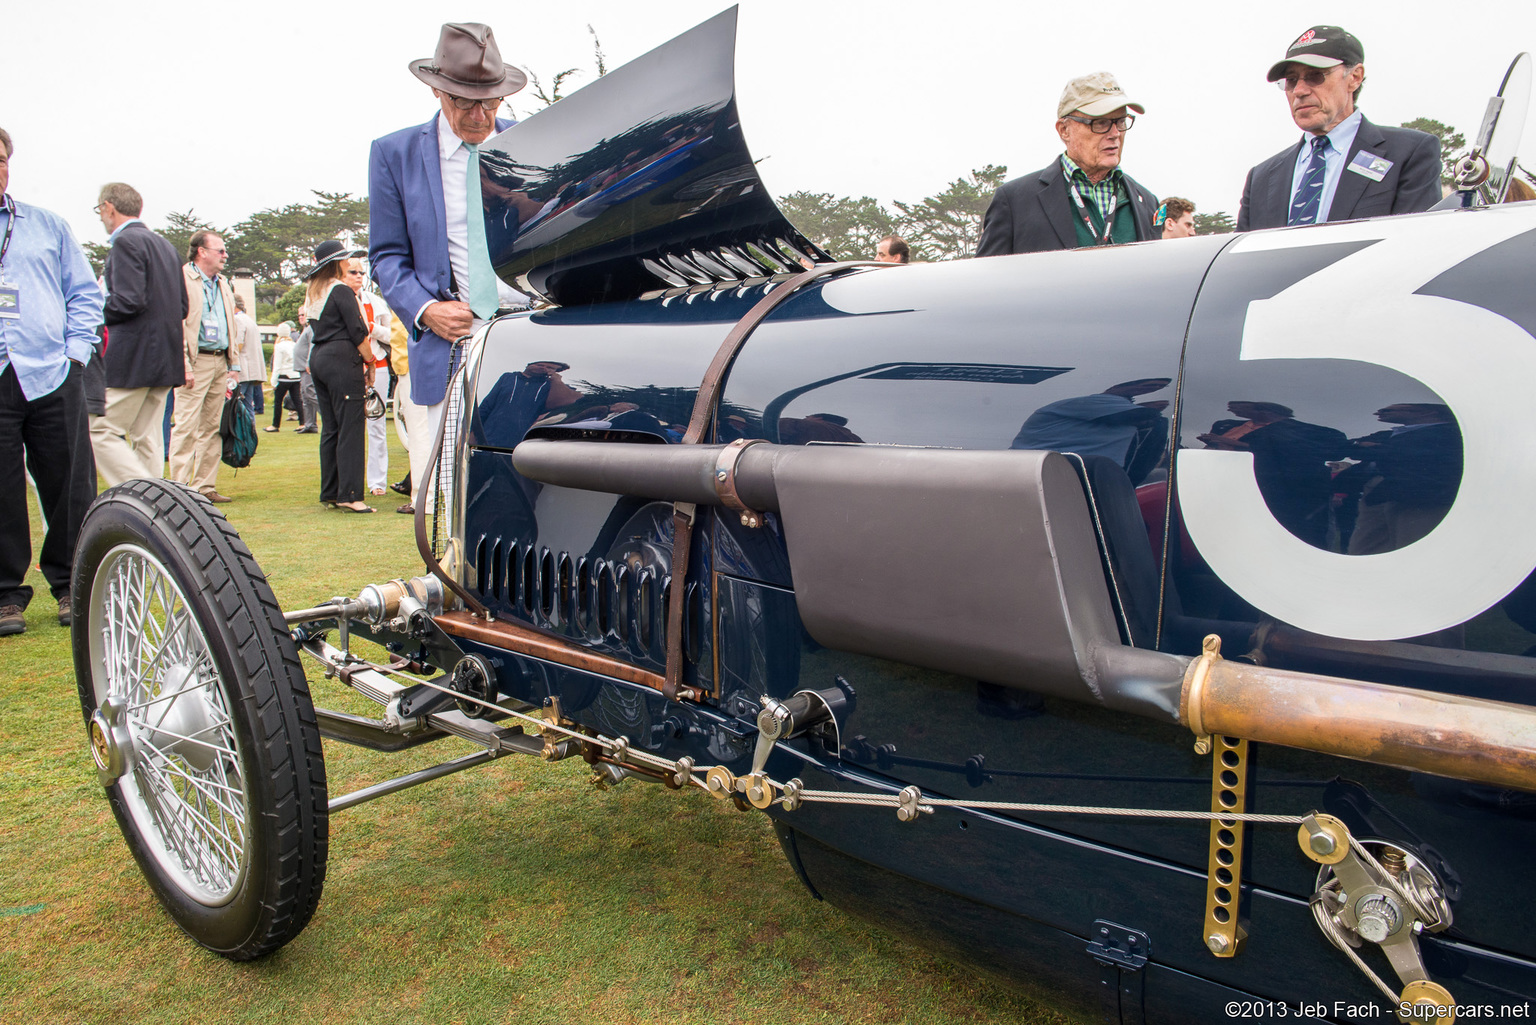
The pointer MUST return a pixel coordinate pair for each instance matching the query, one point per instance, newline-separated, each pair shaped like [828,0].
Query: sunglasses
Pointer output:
[1313,78]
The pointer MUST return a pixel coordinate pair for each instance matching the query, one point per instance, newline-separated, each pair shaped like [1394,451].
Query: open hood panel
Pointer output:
[641,180]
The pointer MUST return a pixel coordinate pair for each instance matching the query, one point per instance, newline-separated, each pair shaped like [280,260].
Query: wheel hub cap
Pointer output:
[111,743]
[185,724]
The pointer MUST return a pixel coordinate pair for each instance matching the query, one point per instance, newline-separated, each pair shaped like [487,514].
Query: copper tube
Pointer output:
[1473,739]
[523,641]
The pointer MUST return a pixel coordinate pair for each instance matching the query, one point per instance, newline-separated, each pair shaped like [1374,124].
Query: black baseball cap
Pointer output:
[1321,46]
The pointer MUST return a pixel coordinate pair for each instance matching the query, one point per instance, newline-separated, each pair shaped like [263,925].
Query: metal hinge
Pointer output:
[1121,953]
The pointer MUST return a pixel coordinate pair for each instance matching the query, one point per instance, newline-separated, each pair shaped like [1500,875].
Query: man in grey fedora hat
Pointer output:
[426,233]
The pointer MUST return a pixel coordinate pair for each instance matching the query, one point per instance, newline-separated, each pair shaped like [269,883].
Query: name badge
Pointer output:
[10,302]
[210,331]
[1369,165]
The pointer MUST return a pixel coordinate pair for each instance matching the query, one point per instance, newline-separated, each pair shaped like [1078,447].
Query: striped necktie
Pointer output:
[1308,201]
[483,299]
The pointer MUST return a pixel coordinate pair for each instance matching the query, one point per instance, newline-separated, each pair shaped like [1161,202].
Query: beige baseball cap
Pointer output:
[1094,96]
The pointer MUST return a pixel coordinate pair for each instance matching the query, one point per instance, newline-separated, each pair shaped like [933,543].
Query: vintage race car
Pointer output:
[987,581]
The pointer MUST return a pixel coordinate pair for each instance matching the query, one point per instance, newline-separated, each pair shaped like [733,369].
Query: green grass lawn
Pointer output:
[511,893]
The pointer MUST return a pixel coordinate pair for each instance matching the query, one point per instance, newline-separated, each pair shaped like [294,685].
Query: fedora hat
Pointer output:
[330,251]
[468,64]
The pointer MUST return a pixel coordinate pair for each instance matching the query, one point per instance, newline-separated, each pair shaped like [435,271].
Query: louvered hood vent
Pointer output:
[641,180]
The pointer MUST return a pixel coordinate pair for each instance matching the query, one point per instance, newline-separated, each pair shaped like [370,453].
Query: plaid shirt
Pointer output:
[1100,195]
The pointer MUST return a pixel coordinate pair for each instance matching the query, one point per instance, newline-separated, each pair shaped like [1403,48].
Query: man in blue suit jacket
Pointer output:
[425,243]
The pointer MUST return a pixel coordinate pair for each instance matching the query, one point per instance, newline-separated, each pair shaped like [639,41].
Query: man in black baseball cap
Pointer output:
[1344,167]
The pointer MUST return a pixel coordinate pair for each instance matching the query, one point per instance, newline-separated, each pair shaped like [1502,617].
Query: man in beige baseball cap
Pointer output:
[1082,198]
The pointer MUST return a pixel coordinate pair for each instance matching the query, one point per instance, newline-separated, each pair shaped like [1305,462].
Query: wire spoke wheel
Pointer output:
[186,792]
[199,718]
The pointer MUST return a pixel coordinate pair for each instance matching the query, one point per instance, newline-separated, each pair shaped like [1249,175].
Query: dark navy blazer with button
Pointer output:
[1411,185]
[1034,214]
[145,307]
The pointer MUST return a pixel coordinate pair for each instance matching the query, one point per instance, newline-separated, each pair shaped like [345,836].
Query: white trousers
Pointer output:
[422,441]
[417,427]
[377,478]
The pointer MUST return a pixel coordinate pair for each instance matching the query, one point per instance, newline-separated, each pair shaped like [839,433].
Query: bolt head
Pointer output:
[1218,943]
[1322,843]
[721,475]
[1372,927]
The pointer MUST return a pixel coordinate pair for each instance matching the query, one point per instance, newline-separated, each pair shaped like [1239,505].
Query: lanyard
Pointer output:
[1109,216]
[10,226]
[210,296]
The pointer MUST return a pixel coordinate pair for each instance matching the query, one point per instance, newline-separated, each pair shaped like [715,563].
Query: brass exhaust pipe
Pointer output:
[1473,739]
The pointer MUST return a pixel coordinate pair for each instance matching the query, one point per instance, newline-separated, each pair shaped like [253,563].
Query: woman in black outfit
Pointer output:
[341,370]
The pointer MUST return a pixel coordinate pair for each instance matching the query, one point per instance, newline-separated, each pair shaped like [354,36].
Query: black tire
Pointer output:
[231,829]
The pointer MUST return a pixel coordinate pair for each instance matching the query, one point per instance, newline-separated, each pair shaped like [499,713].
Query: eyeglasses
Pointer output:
[218,252]
[357,272]
[487,105]
[1314,78]
[1102,125]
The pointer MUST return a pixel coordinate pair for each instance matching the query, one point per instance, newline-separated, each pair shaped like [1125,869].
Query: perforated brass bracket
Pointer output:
[1224,935]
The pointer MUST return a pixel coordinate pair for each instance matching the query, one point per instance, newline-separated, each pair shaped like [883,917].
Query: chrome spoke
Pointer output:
[160,730]
[191,822]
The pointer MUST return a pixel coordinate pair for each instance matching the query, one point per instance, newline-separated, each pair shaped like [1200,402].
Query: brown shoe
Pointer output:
[408,509]
[66,610]
[216,498]
[13,620]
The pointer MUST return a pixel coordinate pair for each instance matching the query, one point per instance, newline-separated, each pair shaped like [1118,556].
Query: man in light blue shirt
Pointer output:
[50,306]
[1344,167]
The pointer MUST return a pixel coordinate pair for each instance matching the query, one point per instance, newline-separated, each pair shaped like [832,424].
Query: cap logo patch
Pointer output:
[1306,37]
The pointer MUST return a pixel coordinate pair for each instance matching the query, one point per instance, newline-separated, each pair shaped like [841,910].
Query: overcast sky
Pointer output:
[227,109]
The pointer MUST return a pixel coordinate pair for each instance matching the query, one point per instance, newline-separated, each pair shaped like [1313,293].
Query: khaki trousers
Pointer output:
[127,438]
[195,442]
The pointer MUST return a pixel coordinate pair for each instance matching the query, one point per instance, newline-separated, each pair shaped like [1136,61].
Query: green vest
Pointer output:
[1124,229]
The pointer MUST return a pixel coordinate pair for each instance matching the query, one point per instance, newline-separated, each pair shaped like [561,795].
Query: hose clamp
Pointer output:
[725,480]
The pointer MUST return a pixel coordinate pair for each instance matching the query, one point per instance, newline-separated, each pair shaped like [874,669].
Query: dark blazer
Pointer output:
[1411,186]
[1033,214]
[408,243]
[146,304]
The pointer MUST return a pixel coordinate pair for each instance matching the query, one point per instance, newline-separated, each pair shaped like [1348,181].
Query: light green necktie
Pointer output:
[482,279]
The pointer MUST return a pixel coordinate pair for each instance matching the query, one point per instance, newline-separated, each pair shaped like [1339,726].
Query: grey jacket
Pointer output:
[301,347]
